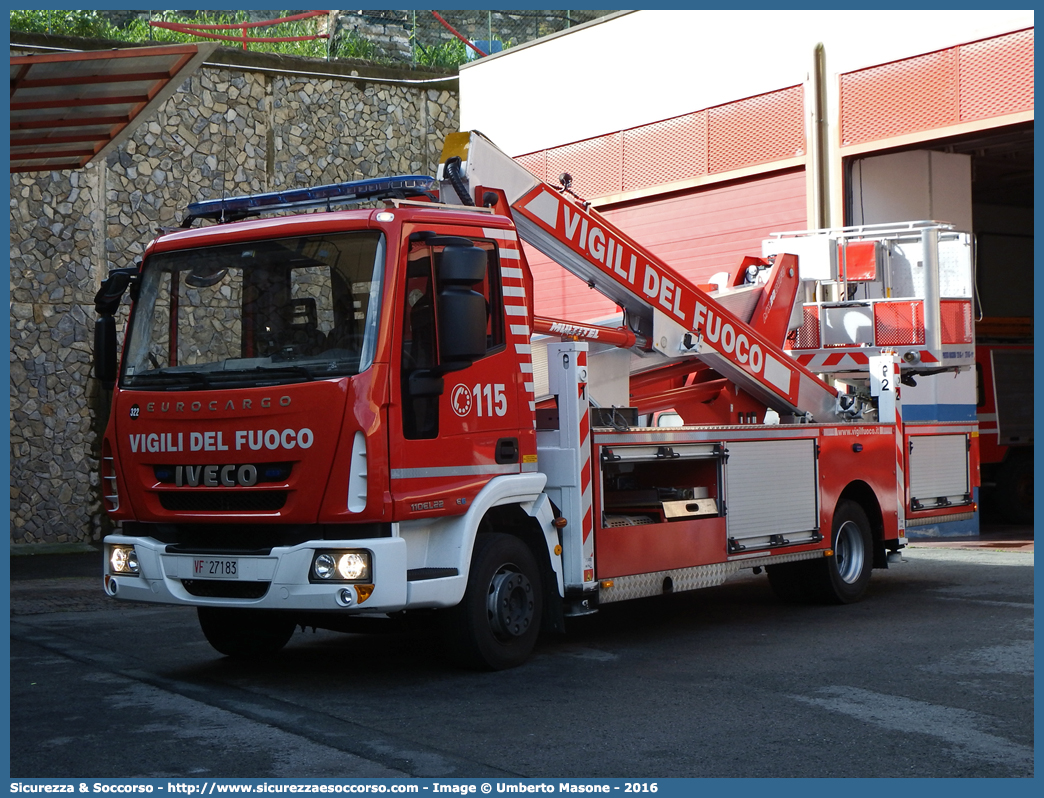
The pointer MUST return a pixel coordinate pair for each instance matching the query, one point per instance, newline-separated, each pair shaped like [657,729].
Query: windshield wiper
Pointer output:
[165,379]
[276,371]
[173,379]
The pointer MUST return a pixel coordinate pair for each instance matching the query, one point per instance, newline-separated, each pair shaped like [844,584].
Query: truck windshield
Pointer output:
[257,313]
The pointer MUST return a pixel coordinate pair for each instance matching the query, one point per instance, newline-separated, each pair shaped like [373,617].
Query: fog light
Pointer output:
[344,597]
[124,561]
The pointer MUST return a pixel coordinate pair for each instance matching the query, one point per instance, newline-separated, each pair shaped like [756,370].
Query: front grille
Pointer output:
[193,476]
[216,588]
[205,501]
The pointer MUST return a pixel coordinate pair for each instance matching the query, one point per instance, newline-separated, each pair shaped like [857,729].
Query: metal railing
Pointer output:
[207,31]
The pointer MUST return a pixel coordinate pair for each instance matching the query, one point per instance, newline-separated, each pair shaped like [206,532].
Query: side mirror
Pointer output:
[107,300]
[105,357]
[106,303]
[462,310]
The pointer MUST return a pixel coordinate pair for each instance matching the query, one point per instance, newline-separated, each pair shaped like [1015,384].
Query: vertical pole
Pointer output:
[884,385]
[932,317]
[821,161]
[567,380]
[900,454]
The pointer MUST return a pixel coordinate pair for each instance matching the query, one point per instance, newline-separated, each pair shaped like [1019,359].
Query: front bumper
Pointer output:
[284,571]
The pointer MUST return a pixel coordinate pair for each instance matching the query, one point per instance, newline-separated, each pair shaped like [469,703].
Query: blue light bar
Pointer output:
[377,188]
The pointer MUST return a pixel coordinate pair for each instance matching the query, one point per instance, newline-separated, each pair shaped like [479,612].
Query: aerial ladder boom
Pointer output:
[680,318]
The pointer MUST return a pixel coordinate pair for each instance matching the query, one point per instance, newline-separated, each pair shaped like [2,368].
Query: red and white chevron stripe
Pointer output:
[585,469]
[516,308]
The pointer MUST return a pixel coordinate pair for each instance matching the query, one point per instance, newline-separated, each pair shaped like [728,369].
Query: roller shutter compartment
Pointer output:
[771,494]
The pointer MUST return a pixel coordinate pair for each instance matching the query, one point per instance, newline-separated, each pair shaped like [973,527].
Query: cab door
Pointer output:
[452,430]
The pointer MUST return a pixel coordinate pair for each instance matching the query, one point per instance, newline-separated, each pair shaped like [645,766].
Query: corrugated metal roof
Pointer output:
[68,108]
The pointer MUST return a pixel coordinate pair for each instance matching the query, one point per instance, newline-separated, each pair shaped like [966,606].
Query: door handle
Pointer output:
[507,451]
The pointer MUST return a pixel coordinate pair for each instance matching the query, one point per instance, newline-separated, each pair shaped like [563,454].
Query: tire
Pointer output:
[497,623]
[846,574]
[245,633]
[839,579]
[1015,490]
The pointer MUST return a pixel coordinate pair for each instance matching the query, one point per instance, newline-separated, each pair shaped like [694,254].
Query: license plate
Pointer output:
[215,568]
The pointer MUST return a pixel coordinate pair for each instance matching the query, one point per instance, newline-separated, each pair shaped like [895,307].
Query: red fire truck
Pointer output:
[1004,366]
[329,418]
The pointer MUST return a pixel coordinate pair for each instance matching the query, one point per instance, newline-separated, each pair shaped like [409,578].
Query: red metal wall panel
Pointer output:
[710,230]
[698,232]
[756,130]
[982,79]
[595,164]
[997,76]
[904,96]
[665,152]
[536,163]
[769,127]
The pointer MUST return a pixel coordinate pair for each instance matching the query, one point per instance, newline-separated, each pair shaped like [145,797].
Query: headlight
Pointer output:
[341,566]
[324,566]
[123,561]
[353,565]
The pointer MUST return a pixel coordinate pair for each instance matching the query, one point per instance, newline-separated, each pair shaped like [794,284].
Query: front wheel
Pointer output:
[242,633]
[497,623]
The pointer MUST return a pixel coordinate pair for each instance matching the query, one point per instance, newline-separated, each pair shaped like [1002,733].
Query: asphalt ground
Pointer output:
[930,676]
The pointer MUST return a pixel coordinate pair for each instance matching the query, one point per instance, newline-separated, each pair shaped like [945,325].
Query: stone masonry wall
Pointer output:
[227,130]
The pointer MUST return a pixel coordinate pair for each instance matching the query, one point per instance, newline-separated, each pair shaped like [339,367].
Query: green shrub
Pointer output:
[447,55]
[355,46]
[90,24]
[64,23]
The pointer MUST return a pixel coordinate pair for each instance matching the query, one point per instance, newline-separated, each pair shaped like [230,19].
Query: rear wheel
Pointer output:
[497,623]
[245,633]
[846,574]
[838,579]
